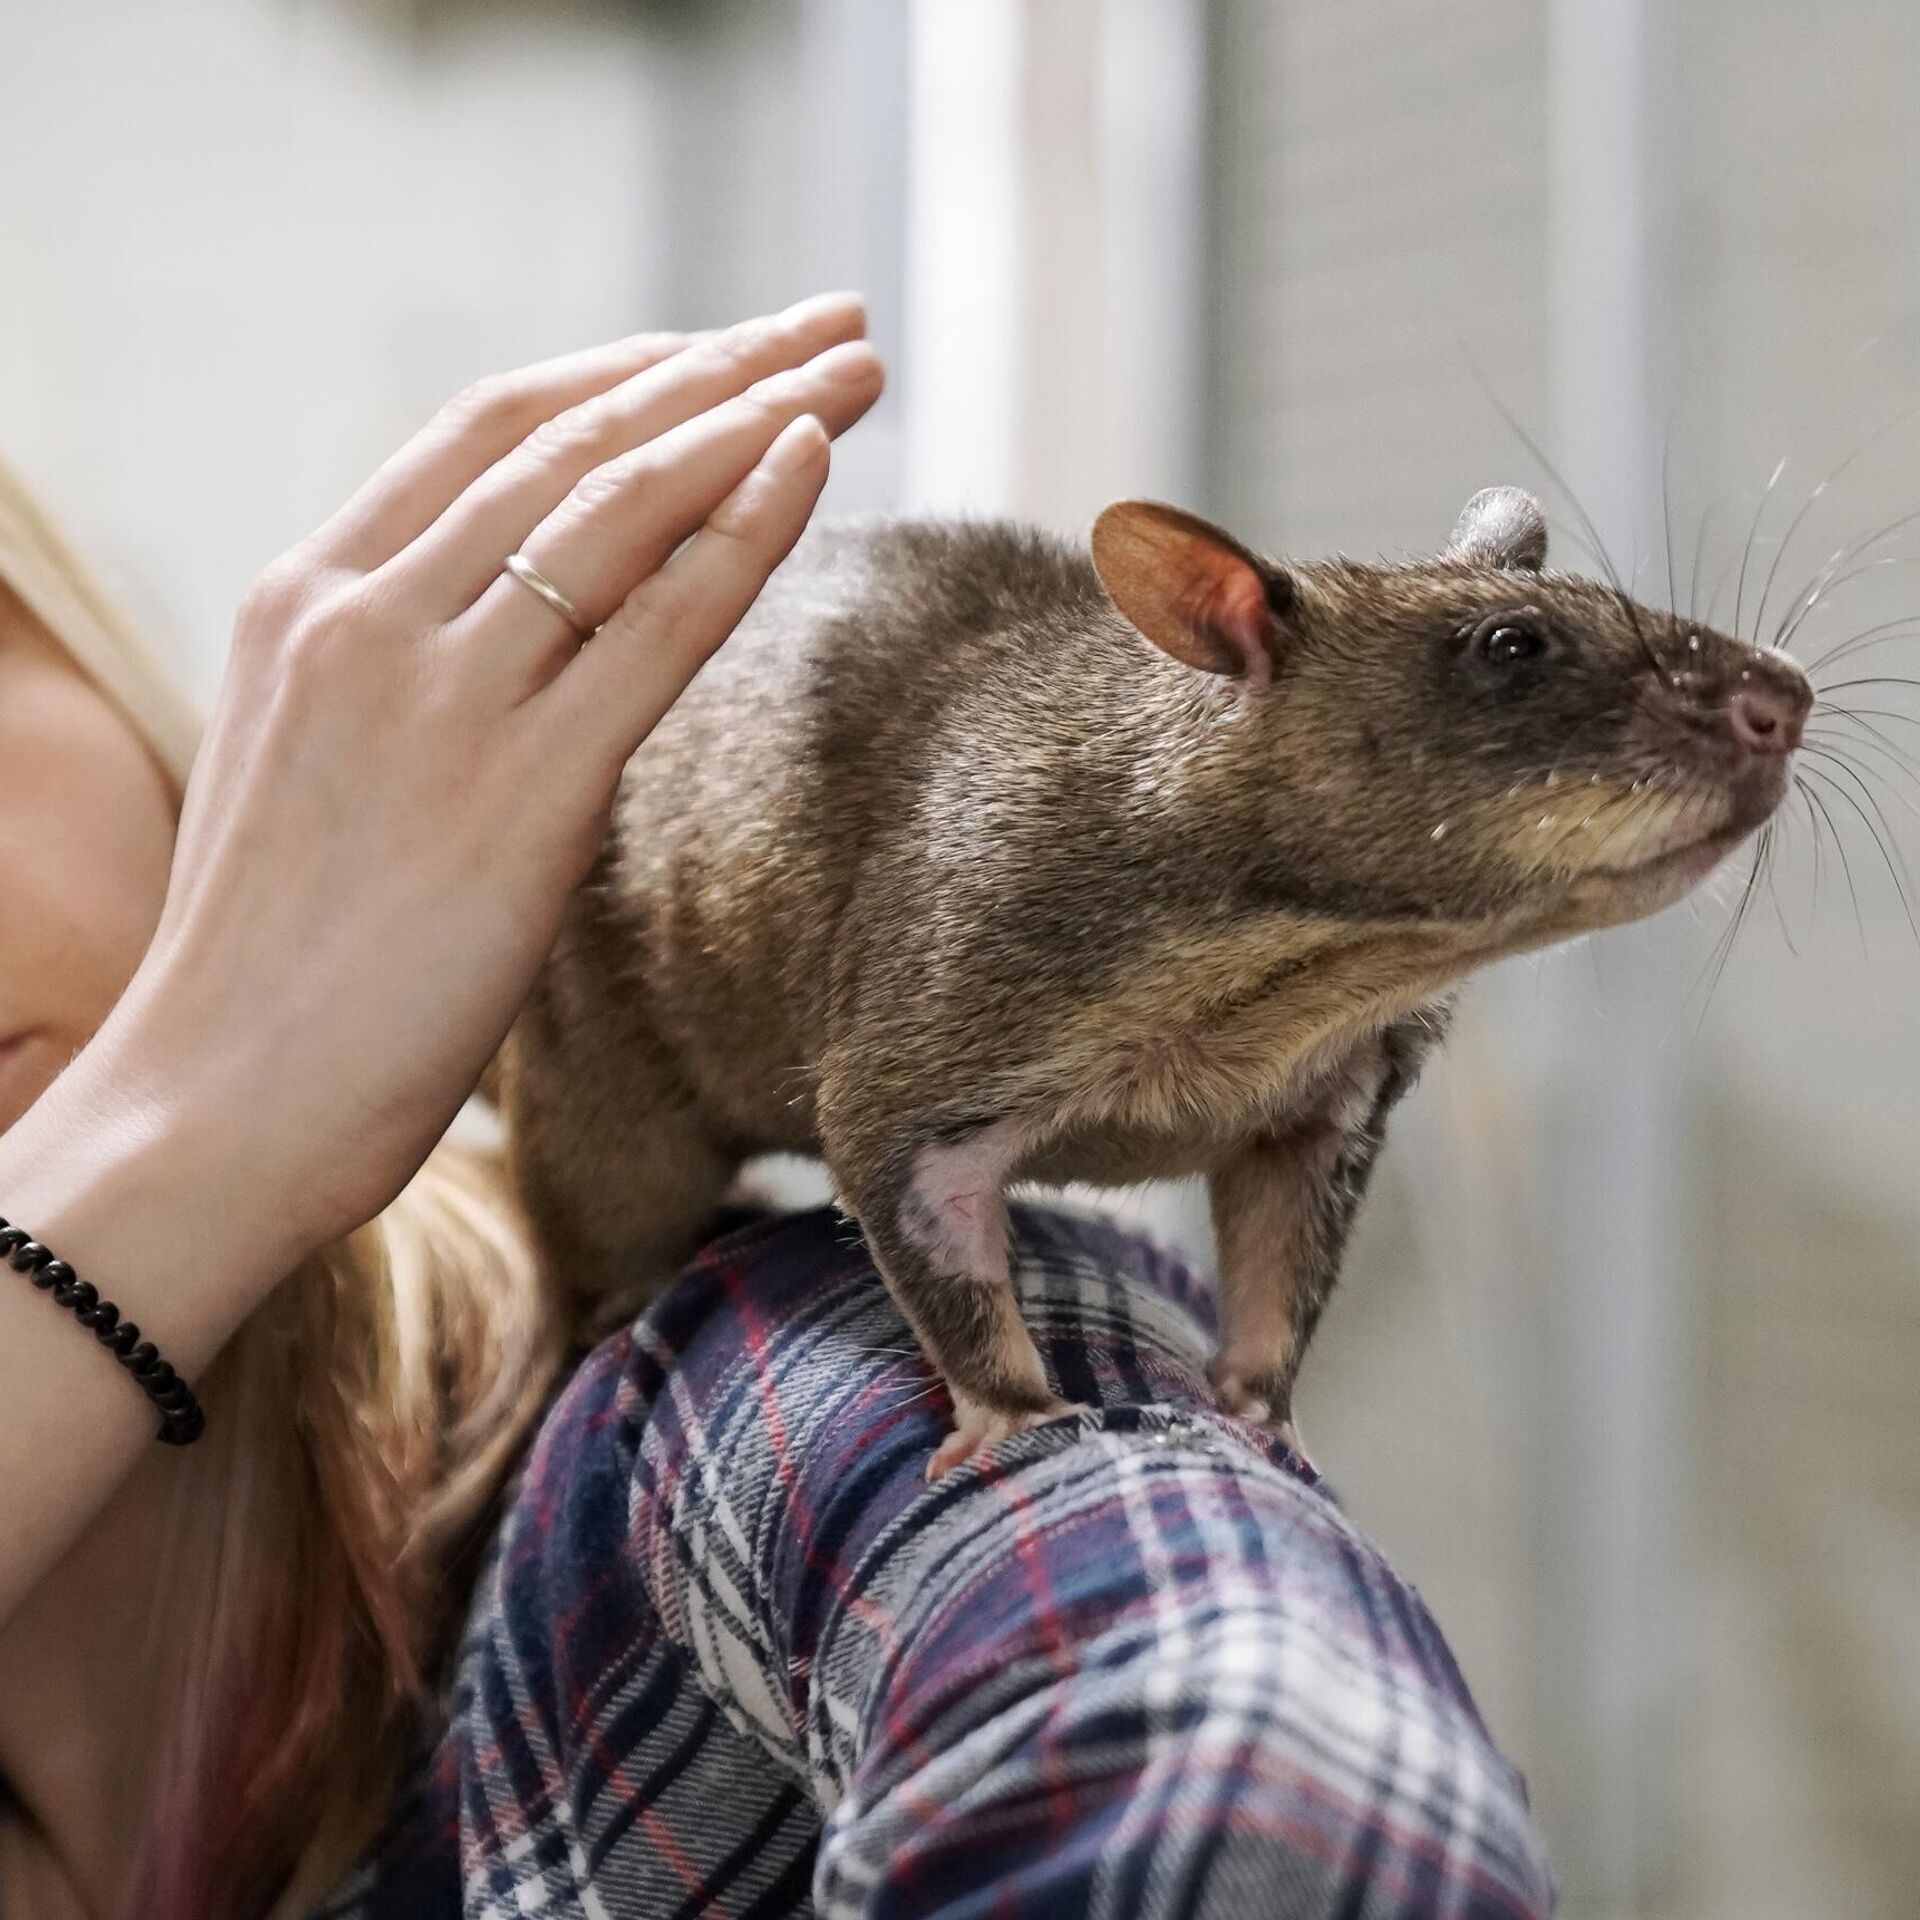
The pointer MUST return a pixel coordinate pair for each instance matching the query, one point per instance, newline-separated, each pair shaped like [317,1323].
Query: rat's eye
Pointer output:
[1507,644]
[1508,639]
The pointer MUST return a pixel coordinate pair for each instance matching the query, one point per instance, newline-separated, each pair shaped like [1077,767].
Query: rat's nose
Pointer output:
[1769,707]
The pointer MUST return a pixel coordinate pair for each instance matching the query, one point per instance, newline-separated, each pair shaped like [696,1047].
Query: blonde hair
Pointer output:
[361,1425]
[48,579]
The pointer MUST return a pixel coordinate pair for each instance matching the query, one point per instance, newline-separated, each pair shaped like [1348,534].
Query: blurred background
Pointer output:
[1625,1370]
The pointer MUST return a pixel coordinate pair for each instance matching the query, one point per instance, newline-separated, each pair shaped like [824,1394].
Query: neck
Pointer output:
[83,1665]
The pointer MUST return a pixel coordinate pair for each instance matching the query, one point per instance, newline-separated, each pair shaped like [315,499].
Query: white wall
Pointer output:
[246,246]
[249,245]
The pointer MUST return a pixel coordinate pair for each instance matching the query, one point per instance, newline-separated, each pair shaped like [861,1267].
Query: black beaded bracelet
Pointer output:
[181,1421]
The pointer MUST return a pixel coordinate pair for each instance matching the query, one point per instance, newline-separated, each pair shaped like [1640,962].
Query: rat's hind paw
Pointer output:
[976,1428]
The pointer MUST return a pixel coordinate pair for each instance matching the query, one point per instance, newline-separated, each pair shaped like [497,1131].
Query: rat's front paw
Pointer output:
[975,1428]
[1246,1392]
[1257,1396]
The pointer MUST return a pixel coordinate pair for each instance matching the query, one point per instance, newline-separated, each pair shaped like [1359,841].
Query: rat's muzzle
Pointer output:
[1768,705]
[1754,725]
[1731,718]
[1727,726]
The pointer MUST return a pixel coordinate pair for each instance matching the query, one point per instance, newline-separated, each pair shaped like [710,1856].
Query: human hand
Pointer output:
[411,762]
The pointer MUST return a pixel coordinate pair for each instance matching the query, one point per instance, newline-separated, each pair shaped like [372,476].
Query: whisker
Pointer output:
[1871,680]
[1872,440]
[1813,833]
[1816,589]
[1717,959]
[1699,559]
[1846,865]
[1759,512]
[1572,499]
[1771,836]
[1882,635]
[1824,707]
[1840,744]
[1839,750]
[1888,842]
[1720,584]
[1847,579]
[1553,473]
[1666,515]
[1599,725]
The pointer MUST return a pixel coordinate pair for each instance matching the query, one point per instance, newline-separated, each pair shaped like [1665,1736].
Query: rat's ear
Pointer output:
[1192,589]
[1501,527]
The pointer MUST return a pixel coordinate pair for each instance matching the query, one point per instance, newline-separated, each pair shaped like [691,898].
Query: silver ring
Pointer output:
[535,581]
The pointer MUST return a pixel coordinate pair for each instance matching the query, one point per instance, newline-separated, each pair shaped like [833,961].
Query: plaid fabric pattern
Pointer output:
[732,1656]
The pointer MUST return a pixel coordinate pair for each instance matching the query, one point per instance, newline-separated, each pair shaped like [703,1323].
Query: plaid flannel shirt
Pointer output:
[733,1657]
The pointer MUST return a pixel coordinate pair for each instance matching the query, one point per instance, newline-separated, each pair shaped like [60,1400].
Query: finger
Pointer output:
[622,522]
[451,564]
[476,428]
[613,692]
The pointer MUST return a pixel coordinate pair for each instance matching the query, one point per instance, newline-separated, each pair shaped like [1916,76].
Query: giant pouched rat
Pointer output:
[974,857]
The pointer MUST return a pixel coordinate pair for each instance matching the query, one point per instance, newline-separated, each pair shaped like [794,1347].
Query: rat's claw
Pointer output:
[1237,1394]
[977,1428]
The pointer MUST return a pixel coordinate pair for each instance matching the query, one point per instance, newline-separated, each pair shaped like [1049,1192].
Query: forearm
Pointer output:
[143,1192]
[408,770]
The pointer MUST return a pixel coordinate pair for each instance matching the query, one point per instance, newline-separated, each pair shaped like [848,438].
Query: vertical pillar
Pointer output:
[1055,217]
[1611,1048]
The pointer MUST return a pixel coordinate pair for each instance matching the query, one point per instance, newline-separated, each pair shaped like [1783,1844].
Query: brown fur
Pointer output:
[942,871]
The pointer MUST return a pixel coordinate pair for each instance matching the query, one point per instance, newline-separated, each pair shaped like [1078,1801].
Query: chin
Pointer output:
[1650,885]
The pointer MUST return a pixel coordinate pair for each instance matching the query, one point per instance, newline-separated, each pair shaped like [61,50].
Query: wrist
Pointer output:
[139,1180]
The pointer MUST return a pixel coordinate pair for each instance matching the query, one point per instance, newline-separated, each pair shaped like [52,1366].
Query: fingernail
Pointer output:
[853,364]
[821,306]
[800,445]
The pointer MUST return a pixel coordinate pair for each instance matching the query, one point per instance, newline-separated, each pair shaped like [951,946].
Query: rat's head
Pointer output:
[1469,737]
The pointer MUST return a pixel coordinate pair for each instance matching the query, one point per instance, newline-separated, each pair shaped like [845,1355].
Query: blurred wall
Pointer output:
[1798,325]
